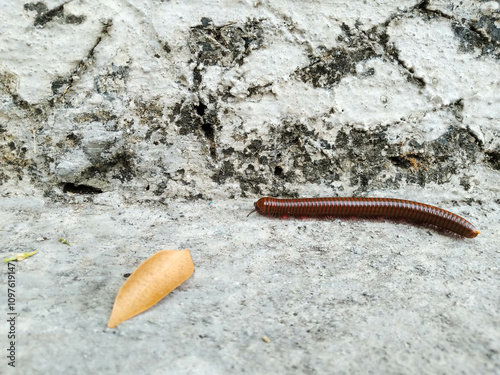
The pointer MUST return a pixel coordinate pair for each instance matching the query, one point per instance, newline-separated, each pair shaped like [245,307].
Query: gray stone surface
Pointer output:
[332,296]
[121,121]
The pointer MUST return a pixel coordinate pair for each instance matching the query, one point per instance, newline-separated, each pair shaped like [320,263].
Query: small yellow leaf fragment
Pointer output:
[62,240]
[266,339]
[20,256]
[156,277]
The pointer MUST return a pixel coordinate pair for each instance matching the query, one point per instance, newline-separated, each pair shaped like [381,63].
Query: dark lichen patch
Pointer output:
[260,90]
[74,20]
[177,177]
[150,113]
[74,139]
[119,166]
[160,188]
[156,118]
[167,48]
[59,85]
[8,88]
[8,83]
[493,159]
[45,15]
[361,155]
[267,168]
[224,172]
[199,119]
[367,159]
[112,82]
[123,164]
[328,67]
[434,161]
[3,177]
[14,157]
[482,35]
[465,183]
[224,45]
[39,8]
[188,120]
[99,115]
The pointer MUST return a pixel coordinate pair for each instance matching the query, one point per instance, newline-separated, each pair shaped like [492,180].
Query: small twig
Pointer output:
[20,256]
[62,240]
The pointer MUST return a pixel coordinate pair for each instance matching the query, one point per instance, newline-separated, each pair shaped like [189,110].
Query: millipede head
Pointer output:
[260,207]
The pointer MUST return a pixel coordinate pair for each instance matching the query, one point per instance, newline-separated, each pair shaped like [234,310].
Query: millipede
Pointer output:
[366,207]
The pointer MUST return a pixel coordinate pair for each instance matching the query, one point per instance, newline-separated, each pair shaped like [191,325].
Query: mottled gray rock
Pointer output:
[262,98]
[71,166]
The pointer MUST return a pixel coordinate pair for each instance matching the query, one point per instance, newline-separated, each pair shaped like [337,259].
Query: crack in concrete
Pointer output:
[85,62]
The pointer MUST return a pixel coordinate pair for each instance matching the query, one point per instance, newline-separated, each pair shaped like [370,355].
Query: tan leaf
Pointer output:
[150,282]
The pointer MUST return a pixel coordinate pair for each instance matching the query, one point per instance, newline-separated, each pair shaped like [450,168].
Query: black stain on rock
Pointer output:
[46,15]
[295,154]
[151,115]
[59,85]
[224,45]
[482,35]
[39,8]
[74,20]
[166,47]
[119,166]
[493,159]
[199,119]
[187,118]
[330,66]
[123,167]
[208,118]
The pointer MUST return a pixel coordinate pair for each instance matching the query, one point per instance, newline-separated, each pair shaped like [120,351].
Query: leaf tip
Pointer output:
[113,322]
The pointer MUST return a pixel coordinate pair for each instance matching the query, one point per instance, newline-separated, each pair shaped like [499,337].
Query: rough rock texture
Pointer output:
[170,100]
[142,104]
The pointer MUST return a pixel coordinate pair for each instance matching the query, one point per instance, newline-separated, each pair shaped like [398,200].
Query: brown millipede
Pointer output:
[367,207]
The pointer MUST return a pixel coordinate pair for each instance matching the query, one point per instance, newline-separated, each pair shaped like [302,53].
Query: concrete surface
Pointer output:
[331,296]
[131,127]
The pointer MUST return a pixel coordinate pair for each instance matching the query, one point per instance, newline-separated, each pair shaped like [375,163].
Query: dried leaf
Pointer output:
[156,277]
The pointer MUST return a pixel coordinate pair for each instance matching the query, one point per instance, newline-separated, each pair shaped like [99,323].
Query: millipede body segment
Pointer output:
[367,207]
